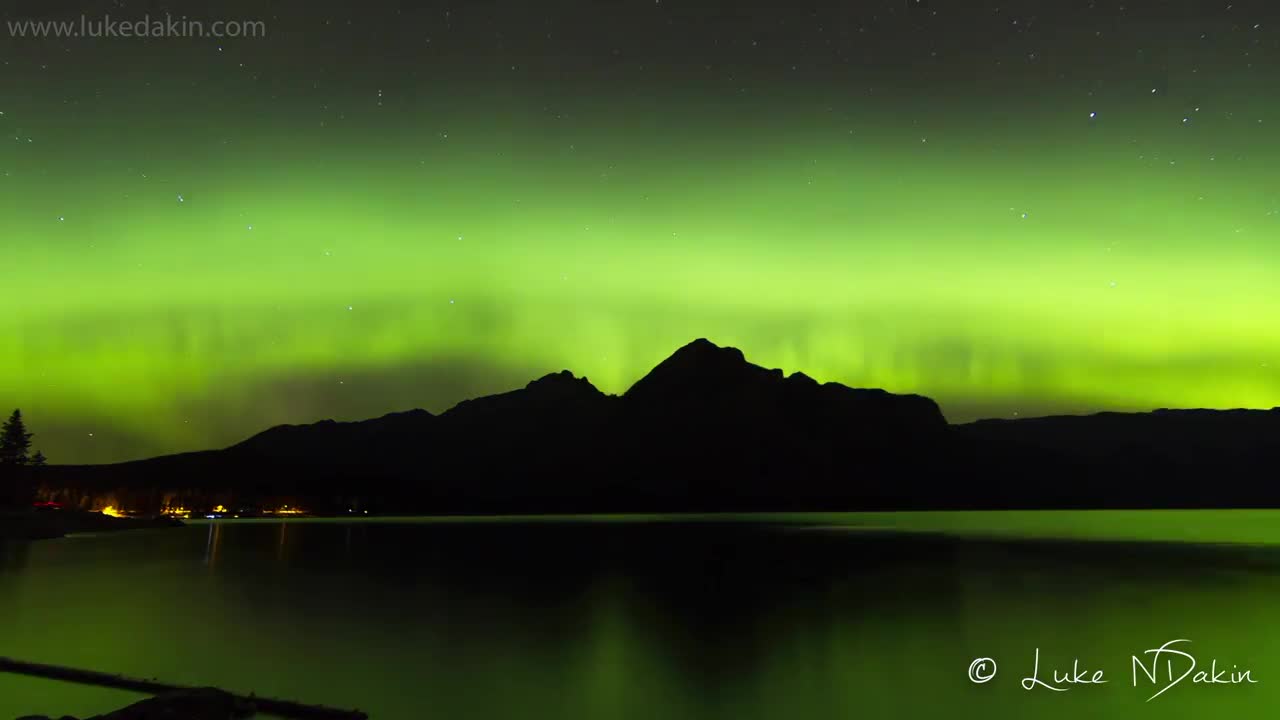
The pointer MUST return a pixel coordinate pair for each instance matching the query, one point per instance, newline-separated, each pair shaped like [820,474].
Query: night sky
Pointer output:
[1012,207]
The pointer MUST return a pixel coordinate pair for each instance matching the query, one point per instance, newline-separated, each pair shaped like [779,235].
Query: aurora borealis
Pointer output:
[1013,207]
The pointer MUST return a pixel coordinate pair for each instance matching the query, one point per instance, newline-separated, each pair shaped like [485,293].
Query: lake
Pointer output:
[872,615]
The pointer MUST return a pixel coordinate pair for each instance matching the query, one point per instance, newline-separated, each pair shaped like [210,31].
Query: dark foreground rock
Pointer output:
[174,702]
[198,704]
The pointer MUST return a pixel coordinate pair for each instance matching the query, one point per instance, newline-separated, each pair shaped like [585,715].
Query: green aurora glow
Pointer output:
[1002,255]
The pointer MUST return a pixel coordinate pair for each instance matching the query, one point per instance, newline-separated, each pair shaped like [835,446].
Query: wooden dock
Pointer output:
[266,706]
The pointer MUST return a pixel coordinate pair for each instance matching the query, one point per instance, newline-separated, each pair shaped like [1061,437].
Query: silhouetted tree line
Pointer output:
[18,467]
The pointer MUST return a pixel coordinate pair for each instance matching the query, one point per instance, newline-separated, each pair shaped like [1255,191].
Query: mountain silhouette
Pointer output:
[1164,458]
[706,430]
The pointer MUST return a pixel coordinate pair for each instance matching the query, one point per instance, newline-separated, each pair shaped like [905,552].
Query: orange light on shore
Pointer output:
[111,511]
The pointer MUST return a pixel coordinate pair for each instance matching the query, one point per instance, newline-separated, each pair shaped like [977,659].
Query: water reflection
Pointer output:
[211,544]
[13,556]
[612,621]
[280,545]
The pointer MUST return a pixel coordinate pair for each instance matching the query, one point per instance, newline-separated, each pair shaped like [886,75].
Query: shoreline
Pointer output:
[28,525]
[1208,527]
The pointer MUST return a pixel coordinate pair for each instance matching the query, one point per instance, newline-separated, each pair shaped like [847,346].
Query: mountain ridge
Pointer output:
[707,430]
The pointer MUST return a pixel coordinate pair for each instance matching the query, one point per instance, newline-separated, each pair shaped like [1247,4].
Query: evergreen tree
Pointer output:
[15,441]
[38,460]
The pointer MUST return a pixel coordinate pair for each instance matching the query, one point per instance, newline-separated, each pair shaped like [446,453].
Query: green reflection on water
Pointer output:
[744,617]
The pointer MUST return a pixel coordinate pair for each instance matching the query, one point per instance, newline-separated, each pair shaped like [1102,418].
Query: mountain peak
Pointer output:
[696,368]
[556,392]
[703,350]
[562,384]
[704,345]
[799,378]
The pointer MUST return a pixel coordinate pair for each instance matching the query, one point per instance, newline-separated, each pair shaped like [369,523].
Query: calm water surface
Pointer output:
[746,617]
